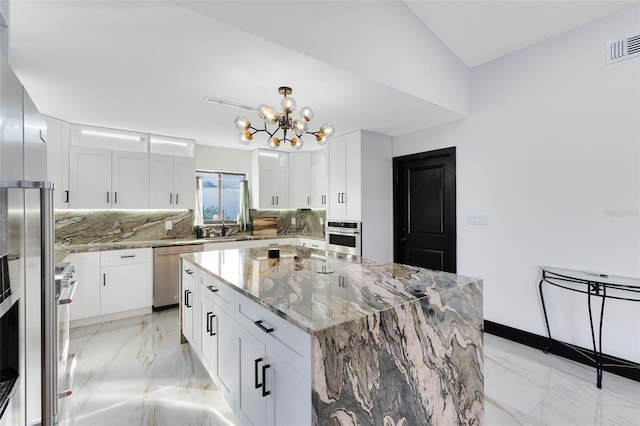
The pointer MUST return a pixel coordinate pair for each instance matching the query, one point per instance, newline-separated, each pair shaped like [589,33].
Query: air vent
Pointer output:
[620,50]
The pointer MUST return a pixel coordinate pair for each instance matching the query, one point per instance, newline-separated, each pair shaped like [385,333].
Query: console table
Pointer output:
[594,285]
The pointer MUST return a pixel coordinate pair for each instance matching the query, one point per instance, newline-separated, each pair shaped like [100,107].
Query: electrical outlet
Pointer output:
[168,225]
[321,222]
[293,220]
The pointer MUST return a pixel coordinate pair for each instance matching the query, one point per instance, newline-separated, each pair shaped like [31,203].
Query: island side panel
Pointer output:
[421,362]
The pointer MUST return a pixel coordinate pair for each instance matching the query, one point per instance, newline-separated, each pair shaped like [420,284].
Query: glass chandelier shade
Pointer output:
[299,126]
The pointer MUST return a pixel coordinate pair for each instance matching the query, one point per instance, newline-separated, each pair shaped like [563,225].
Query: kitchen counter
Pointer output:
[389,341]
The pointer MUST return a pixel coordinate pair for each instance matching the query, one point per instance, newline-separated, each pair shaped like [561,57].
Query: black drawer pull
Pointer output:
[129,256]
[212,288]
[262,327]
[189,271]
[186,298]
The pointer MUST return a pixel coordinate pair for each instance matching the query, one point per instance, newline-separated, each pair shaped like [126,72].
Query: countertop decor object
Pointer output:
[284,122]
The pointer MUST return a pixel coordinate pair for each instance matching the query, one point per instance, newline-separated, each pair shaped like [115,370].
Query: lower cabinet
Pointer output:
[190,305]
[111,283]
[259,361]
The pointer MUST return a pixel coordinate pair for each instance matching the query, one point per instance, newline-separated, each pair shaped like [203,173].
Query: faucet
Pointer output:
[223,230]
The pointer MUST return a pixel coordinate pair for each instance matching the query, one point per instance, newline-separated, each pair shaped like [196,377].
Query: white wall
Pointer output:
[551,154]
[215,159]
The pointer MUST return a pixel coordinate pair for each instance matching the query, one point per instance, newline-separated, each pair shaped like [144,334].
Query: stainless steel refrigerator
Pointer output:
[28,363]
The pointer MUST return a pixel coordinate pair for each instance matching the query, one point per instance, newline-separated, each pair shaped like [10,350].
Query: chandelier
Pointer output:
[292,129]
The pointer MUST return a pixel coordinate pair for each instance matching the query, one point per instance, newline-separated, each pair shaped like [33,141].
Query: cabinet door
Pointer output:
[300,180]
[266,198]
[58,160]
[227,354]
[290,395]
[86,301]
[337,176]
[160,181]
[189,281]
[281,187]
[130,180]
[184,182]
[89,178]
[353,180]
[209,340]
[125,287]
[319,179]
[251,406]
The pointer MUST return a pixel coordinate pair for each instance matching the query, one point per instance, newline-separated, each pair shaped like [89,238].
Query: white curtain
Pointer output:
[197,214]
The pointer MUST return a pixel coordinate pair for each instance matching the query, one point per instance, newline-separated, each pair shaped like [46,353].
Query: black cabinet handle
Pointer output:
[189,271]
[170,198]
[104,280]
[129,256]
[265,392]
[308,200]
[186,298]
[66,193]
[209,322]
[107,196]
[262,327]
[177,198]
[255,372]
[212,289]
[277,202]
[211,333]
[115,197]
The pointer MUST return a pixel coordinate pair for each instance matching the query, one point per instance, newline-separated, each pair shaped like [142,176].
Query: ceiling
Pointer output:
[147,65]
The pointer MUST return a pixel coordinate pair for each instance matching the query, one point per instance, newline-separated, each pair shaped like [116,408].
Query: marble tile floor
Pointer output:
[134,372]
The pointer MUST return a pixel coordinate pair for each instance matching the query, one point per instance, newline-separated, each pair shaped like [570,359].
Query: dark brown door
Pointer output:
[424,195]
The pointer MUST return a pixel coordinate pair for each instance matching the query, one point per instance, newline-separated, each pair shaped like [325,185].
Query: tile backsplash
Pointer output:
[107,226]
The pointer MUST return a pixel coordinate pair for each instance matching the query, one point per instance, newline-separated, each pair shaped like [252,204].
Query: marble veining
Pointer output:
[86,227]
[523,386]
[392,344]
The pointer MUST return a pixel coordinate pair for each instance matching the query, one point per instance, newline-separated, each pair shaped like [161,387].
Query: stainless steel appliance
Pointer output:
[26,247]
[344,237]
[166,274]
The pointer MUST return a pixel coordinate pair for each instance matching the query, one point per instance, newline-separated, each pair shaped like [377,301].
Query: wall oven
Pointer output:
[344,237]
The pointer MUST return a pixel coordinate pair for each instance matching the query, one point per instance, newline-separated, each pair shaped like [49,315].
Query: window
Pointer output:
[220,193]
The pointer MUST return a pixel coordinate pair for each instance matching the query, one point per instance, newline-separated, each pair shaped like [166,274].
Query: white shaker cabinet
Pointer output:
[269,179]
[58,160]
[86,301]
[127,280]
[345,177]
[300,180]
[103,179]
[319,179]
[189,285]
[251,403]
[172,182]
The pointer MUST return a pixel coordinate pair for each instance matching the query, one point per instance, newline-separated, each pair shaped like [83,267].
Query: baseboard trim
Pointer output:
[631,371]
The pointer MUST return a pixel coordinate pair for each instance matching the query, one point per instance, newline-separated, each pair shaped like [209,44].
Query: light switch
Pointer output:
[168,225]
[293,220]
[476,219]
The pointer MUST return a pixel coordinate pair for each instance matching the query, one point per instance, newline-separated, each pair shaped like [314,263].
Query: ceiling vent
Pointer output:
[625,48]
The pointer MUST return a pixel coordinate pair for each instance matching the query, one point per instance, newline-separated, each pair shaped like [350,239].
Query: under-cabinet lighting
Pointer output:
[110,135]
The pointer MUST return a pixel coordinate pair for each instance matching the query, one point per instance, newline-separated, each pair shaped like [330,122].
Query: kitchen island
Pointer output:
[339,341]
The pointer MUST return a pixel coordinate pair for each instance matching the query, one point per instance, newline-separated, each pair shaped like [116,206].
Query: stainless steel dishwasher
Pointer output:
[166,274]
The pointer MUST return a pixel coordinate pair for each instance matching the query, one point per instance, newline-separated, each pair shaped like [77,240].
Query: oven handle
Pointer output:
[345,233]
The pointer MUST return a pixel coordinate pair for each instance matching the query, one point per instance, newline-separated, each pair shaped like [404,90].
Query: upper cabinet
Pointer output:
[172,182]
[172,169]
[345,177]
[269,179]
[108,168]
[103,179]
[319,179]
[300,180]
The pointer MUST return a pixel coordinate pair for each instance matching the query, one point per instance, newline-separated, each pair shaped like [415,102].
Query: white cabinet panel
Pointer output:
[290,393]
[58,160]
[300,180]
[209,339]
[189,284]
[89,178]
[130,180]
[86,302]
[345,182]
[172,182]
[319,179]
[269,180]
[125,288]
[251,404]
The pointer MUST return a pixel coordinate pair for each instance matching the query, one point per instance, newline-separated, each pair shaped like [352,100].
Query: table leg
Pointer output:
[546,318]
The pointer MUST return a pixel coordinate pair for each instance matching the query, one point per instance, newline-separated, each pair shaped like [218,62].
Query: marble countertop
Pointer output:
[315,292]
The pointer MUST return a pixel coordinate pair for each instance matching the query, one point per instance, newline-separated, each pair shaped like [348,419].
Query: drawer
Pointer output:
[223,295]
[126,257]
[278,335]
[311,243]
